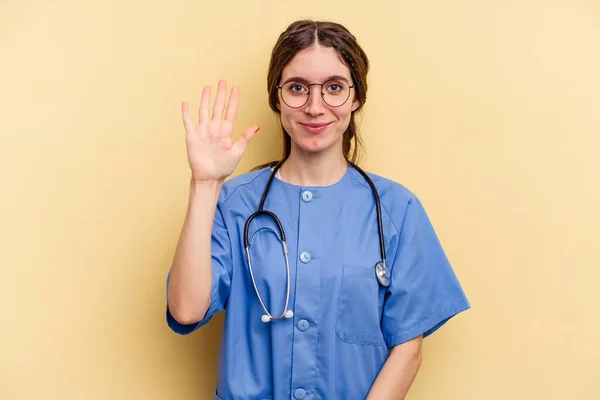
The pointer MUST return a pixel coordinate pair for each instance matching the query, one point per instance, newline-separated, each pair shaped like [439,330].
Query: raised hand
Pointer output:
[211,152]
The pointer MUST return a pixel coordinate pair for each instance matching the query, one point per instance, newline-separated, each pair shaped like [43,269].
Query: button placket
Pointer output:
[305,257]
[303,325]
[306,303]
[307,196]
[300,394]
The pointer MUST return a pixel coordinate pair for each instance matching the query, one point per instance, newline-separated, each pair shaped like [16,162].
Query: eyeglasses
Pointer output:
[335,92]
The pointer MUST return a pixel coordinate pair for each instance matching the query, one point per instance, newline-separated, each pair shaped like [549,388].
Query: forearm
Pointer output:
[398,372]
[191,273]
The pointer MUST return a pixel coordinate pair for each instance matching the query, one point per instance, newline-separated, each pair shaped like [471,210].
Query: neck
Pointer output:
[313,169]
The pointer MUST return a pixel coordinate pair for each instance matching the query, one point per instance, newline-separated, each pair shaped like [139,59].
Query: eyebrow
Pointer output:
[302,80]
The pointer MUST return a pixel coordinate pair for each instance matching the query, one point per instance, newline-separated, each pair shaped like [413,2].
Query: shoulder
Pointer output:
[389,190]
[395,197]
[240,185]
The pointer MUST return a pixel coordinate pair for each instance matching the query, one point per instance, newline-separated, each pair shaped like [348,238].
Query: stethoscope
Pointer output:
[380,267]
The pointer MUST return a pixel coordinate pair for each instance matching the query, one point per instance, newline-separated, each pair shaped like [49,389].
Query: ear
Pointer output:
[355,105]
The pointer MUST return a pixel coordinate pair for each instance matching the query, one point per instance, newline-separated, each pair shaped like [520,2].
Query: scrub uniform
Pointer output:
[344,322]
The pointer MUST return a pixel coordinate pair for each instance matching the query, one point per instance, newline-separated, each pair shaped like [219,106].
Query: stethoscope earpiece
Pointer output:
[265,318]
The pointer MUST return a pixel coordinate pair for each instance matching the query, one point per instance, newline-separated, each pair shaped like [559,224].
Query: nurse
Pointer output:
[347,333]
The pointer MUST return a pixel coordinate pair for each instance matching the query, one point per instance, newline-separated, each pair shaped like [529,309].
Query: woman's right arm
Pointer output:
[212,156]
[191,273]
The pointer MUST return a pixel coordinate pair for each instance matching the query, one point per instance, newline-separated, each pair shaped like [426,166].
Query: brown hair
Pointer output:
[304,34]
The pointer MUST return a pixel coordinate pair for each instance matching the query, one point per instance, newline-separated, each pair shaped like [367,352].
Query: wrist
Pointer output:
[208,184]
[205,191]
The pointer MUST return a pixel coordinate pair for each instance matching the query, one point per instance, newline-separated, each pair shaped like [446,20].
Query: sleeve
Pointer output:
[222,263]
[424,292]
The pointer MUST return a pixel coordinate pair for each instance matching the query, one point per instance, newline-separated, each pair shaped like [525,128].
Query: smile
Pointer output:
[315,128]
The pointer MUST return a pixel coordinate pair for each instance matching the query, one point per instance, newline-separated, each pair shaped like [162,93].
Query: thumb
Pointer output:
[243,141]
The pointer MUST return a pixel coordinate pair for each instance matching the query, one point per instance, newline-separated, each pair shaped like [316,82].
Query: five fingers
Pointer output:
[219,106]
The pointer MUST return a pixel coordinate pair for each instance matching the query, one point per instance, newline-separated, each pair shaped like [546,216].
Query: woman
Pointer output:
[342,313]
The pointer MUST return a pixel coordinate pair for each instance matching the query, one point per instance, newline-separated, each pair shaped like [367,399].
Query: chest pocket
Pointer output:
[358,310]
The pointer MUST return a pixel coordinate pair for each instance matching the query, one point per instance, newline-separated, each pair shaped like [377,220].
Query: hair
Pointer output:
[304,34]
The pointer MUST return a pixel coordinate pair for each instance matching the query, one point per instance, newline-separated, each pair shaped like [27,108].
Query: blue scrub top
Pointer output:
[344,322]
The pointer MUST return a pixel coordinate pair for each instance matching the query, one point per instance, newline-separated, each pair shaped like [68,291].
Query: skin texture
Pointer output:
[398,372]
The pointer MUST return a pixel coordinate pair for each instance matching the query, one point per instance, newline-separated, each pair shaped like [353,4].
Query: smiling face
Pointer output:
[316,126]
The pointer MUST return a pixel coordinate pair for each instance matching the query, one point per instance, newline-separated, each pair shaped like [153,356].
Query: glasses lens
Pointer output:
[336,93]
[294,94]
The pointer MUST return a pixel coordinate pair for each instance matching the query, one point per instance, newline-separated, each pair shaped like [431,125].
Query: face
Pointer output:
[316,126]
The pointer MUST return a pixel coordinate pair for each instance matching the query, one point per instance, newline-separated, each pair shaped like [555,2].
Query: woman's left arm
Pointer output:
[398,372]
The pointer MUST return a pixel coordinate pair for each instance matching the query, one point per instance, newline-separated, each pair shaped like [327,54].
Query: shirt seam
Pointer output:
[380,202]
[438,311]
[242,184]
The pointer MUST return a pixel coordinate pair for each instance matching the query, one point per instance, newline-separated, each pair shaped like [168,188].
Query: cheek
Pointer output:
[286,120]
[344,115]
[289,117]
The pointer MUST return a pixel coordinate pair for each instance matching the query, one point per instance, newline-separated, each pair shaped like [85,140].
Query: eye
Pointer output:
[296,88]
[335,87]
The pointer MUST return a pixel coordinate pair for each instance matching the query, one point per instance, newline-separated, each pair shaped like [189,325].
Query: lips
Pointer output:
[315,128]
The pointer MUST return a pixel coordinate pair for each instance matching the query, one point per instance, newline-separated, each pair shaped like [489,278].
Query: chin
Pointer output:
[316,144]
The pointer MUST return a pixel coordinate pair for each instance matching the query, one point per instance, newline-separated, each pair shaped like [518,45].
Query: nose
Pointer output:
[315,104]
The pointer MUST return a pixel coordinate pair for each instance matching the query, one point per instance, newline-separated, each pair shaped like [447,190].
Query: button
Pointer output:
[303,325]
[307,196]
[305,257]
[300,394]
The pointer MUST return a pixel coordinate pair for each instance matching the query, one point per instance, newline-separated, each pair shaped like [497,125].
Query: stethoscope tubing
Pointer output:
[381,268]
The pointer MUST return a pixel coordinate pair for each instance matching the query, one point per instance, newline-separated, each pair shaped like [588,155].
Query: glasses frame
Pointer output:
[308,85]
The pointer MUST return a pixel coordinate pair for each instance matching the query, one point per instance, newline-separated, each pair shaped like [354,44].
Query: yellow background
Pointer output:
[488,110]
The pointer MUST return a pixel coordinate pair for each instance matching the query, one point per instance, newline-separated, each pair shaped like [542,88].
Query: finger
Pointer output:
[245,138]
[186,117]
[204,104]
[232,107]
[220,100]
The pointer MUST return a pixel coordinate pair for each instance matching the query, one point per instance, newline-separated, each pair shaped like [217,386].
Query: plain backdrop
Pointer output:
[488,110]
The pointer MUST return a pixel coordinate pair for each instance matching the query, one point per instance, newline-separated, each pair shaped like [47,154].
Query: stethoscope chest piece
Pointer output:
[382,276]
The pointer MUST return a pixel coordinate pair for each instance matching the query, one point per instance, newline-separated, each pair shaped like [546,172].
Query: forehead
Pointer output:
[315,64]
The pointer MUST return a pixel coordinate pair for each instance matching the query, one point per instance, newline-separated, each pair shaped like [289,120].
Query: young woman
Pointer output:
[332,286]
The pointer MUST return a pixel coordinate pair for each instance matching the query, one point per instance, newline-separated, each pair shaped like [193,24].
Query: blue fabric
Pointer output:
[344,322]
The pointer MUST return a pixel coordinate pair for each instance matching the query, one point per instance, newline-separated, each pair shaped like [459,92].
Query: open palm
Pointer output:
[211,152]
